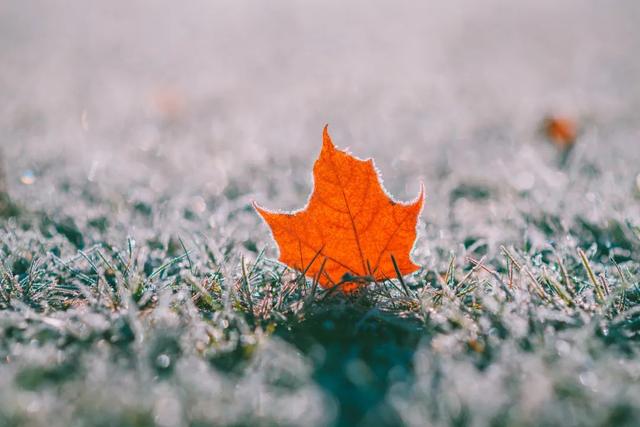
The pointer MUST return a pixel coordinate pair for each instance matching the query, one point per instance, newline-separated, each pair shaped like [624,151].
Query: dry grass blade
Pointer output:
[400,278]
[557,287]
[495,275]
[536,285]
[314,286]
[599,292]
[506,252]
[246,286]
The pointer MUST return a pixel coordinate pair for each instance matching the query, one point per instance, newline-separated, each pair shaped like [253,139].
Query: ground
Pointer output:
[140,288]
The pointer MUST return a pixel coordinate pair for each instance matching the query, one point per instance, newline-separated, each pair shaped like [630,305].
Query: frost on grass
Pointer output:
[166,367]
[106,330]
[138,287]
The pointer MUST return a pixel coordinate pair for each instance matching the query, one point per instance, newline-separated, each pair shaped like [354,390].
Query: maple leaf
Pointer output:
[351,232]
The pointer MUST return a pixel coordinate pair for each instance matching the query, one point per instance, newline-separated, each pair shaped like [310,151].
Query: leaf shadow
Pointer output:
[358,352]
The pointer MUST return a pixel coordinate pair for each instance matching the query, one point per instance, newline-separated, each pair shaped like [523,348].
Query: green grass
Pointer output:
[177,330]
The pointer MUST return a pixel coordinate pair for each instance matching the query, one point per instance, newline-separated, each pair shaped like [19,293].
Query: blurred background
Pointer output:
[137,101]
[192,94]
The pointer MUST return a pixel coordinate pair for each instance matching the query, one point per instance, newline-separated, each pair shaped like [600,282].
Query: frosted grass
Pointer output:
[137,132]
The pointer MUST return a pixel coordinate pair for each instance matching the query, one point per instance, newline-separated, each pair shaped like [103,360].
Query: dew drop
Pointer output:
[28,177]
[163,361]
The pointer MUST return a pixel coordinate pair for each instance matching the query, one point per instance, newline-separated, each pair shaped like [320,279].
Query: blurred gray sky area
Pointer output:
[403,81]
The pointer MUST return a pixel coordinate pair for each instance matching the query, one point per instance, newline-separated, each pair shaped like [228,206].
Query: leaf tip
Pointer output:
[261,211]
[326,139]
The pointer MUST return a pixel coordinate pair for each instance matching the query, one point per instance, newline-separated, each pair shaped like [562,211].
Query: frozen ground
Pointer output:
[136,134]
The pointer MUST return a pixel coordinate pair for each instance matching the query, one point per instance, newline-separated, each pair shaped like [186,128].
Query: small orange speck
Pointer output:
[168,102]
[561,131]
[476,346]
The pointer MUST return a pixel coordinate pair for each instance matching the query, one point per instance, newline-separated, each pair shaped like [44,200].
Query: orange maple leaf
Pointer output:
[351,232]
